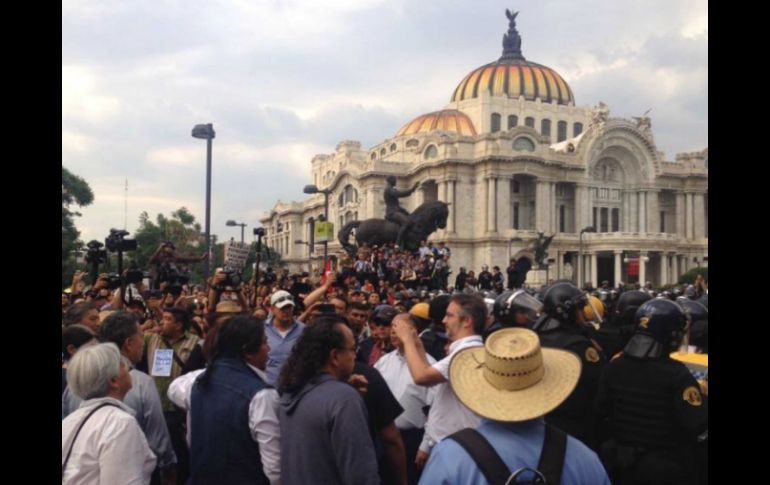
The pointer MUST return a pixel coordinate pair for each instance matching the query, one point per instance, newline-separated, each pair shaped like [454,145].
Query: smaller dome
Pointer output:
[448,120]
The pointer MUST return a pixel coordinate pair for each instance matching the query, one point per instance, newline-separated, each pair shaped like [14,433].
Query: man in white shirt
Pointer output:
[465,319]
[229,395]
[413,398]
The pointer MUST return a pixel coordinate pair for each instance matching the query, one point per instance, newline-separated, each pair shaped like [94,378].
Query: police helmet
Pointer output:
[562,300]
[511,303]
[627,305]
[663,320]
[698,316]
[691,293]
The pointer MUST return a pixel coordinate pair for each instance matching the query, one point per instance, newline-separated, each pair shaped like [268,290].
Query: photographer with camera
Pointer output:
[165,265]
[224,286]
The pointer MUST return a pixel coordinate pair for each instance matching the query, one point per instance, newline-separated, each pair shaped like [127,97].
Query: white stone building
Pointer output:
[513,155]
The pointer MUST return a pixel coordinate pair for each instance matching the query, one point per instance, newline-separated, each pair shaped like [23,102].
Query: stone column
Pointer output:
[642,212]
[504,205]
[618,267]
[555,208]
[594,271]
[492,204]
[486,205]
[685,263]
[663,269]
[653,218]
[558,257]
[581,194]
[688,213]
[625,211]
[540,209]
[642,268]
[699,217]
[633,217]
[674,268]
[680,216]
[452,206]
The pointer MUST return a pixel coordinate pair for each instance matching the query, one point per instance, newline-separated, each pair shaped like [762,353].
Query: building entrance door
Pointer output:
[605,270]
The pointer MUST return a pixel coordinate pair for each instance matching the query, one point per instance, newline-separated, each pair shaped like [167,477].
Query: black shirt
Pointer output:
[381,404]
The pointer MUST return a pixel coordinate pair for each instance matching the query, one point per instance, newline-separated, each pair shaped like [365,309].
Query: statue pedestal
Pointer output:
[536,278]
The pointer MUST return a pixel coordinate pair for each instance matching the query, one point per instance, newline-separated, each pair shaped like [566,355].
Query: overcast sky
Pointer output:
[283,80]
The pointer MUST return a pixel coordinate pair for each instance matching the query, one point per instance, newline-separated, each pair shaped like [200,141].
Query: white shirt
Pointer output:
[263,419]
[448,414]
[412,397]
[110,448]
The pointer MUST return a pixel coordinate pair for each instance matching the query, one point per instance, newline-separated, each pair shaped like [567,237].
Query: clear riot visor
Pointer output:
[596,312]
[521,300]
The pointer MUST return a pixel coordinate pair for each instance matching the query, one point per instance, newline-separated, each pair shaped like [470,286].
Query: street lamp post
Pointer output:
[580,254]
[232,223]
[206,132]
[312,189]
[309,254]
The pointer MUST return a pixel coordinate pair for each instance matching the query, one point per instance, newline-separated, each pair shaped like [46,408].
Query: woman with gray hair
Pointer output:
[101,441]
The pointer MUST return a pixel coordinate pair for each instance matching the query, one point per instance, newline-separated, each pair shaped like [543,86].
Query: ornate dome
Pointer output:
[448,119]
[514,76]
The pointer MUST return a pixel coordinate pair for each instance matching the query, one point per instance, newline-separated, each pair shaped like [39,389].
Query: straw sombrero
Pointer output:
[512,378]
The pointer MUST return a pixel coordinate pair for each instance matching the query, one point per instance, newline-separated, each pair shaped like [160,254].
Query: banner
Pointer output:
[236,254]
[633,267]
[324,232]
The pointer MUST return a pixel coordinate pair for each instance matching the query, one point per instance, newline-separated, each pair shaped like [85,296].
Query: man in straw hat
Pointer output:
[512,383]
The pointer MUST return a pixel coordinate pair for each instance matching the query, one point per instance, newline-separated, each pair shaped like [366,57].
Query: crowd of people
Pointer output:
[381,372]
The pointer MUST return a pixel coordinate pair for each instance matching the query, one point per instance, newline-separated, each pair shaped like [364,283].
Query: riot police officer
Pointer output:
[650,407]
[699,324]
[563,326]
[615,336]
[514,309]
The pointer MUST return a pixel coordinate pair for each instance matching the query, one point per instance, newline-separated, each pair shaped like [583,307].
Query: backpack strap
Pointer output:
[552,457]
[77,432]
[489,462]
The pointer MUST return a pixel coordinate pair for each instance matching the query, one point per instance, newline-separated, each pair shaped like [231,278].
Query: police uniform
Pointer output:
[652,411]
[575,415]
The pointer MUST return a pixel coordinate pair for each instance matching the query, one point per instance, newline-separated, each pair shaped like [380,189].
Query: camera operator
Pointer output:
[164,260]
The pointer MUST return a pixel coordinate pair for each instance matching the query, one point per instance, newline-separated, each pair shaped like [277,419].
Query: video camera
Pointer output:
[260,231]
[95,253]
[113,281]
[116,241]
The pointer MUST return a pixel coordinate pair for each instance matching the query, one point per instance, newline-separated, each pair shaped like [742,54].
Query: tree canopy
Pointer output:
[75,191]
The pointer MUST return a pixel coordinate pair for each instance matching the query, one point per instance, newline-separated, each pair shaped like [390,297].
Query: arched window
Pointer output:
[495,122]
[529,121]
[374,155]
[523,143]
[383,152]
[561,131]
[577,129]
[393,147]
[341,199]
[412,143]
[513,121]
[431,152]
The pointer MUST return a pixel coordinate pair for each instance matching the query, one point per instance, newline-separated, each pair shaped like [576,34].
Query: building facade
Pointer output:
[513,156]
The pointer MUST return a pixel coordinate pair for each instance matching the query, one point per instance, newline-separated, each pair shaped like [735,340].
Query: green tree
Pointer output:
[688,278]
[75,191]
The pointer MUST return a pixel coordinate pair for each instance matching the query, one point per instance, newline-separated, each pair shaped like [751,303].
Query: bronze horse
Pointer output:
[422,223]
